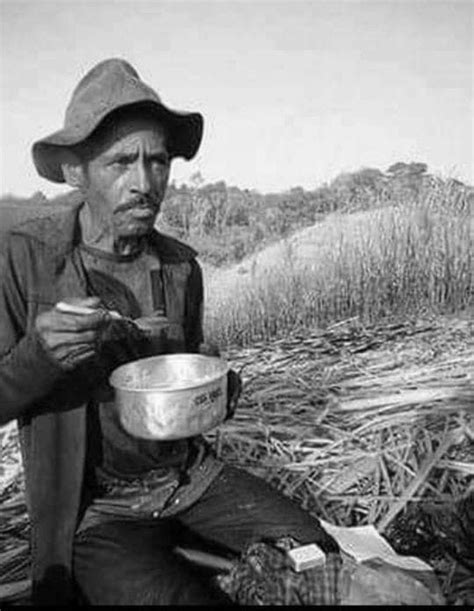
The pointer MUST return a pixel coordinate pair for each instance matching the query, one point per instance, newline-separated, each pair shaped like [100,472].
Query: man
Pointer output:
[107,510]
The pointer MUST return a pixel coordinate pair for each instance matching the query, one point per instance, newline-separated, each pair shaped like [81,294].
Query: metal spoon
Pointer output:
[70,308]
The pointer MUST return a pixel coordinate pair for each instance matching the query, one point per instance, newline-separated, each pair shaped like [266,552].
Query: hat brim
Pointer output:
[185,130]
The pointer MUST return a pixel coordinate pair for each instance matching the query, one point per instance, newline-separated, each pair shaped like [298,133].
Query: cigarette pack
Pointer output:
[306,557]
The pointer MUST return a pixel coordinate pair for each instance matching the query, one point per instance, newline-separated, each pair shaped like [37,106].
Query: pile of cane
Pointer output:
[362,425]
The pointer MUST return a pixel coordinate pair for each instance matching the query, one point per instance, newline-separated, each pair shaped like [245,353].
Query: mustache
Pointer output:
[138,202]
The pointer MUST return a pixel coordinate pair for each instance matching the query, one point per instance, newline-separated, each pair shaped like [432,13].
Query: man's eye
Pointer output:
[160,161]
[120,162]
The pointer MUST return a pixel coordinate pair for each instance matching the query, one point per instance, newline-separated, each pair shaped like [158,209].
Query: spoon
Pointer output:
[69,308]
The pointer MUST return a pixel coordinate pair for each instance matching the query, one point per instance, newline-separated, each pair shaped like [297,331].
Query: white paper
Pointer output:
[364,542]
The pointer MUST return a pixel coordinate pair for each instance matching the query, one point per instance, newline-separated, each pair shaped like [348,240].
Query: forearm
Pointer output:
[27,373]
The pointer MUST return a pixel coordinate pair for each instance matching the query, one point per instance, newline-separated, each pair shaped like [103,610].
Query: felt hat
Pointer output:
[108,86]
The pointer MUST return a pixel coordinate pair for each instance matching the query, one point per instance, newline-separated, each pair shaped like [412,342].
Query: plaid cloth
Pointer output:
[264,576]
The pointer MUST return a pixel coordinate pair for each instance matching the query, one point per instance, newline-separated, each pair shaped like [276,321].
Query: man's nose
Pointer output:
[141,182]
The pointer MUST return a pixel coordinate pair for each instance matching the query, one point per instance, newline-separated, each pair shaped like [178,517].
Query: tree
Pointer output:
[407,169]
[407,178]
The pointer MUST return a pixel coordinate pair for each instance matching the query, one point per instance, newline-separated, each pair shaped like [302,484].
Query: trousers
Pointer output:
[129,561]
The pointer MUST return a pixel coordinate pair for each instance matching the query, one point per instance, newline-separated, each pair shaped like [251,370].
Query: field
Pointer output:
[354,338]
[403,260]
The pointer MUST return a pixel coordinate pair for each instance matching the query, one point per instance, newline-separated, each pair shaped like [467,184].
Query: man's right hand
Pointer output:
[71,339]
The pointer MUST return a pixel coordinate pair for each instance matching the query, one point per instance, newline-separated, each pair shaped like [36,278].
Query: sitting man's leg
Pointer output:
[239,508]
[260,525]
[126,562]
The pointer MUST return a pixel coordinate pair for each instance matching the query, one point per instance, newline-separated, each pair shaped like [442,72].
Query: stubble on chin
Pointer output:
[131,235]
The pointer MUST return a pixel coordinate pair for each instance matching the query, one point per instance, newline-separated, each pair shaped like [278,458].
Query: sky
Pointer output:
[293,93]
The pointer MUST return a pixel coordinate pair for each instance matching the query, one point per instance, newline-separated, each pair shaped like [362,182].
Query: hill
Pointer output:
[400,259]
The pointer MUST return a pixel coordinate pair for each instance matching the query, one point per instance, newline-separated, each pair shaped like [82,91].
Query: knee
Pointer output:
[141,581]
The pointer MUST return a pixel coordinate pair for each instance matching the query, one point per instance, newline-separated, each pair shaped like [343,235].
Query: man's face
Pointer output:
[126,175]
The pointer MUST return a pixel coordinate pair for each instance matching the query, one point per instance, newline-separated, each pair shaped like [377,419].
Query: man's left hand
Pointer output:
[234,390]
[234,381]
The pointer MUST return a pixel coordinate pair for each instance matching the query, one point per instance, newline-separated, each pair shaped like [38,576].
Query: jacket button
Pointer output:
[156,514]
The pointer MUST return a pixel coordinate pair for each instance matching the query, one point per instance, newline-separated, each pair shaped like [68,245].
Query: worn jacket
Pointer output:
[40,266]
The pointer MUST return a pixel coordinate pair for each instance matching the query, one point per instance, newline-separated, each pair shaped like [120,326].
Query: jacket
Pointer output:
[40,265]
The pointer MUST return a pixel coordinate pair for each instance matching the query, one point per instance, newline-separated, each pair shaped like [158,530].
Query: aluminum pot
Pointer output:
[171,396]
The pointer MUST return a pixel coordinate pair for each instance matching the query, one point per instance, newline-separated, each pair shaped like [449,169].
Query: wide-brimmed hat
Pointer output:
[110,85]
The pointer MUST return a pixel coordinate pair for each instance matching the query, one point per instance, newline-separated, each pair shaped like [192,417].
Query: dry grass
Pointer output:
[357,423]
[384,406]
[361,424]
[393,260]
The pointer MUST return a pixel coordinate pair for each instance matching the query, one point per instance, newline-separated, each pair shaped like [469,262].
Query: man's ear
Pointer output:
[73,170]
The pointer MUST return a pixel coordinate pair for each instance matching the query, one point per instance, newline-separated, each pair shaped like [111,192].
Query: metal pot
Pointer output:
[171,396]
